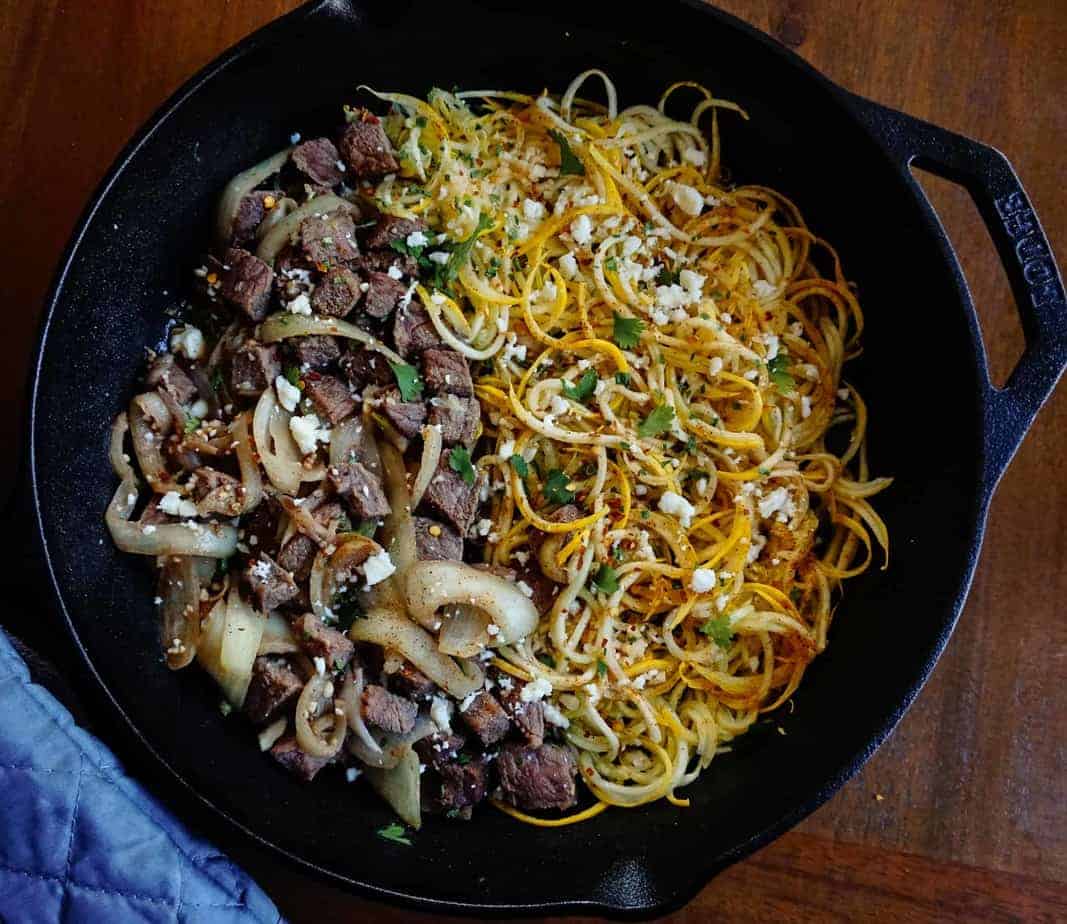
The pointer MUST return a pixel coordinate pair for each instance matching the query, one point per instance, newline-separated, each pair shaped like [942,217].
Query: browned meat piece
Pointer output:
[217,492]
[407,416]
[413,331]
[451,497]
[412,683]
[360,488]
[274,685]
[315,352]
[544,589]
[331,397]
[328,239]
[438,749]
[261,526]
[365,148]
[292,273]
[457,787]
[383,292]
[246,283]
[537,778]
[446,372]
[457,417]
[254,368]
[287,752]
[271,585]
[486,718]
[298,555]
[390,228]
[319,161]
[388,711]
[337,293]
[320,641]
[251,211]
[379,261]
[165,374]
[529,718]
[364,367]
[437,541]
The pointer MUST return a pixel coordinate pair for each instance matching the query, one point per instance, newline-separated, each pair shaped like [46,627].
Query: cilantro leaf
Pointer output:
[657,422]
[459,460]
[395,833]
[779,372]
[519,464]
[191,423]
[626,331]
[546,659]
[347,607]
[584,389]
[611,265]
[667,277]
[555,487]
[719,631]
[601,668]
[408,380]
[622,378]
[293,375]
[606,580]
[462,251]
[568,160]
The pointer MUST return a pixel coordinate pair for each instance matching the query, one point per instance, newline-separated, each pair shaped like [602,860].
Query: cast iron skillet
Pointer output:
[844,160]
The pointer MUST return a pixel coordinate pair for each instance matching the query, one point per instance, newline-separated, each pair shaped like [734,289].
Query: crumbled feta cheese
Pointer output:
[582,230]
[378,567]
[188,341]
[520,556]
[320,665]
[752,374]
[308,432]
[631,245]
[763,289]
[558,406]
[532,211]
[843,394]
[439,257]
[805,406]
[688,199]
[715,365]
[299,305]
[288,393]
[525,589]
[568,265]
[796,329]
[468,700]
[199,409]
[483,527]
[702,486]
[644,547]
[693,283]
[294,138]
[175,505]
[395,272]
[703,580]
[695,156]
[507,449]
[677,506]
[554,717]
[755,547]
[416,239]
[660,317]
[535,690]
[352,774]
[514,350]
[492,630]
[771,341]
[441,713]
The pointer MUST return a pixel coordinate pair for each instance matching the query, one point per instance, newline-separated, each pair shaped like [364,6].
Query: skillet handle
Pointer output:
[1024,251]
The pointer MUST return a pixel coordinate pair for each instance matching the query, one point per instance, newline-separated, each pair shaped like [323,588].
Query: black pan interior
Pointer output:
[148,231]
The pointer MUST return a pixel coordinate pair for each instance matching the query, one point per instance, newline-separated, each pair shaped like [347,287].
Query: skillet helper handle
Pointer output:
[1024,250]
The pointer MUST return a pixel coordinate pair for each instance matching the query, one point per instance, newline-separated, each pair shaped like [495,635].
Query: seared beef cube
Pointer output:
[388,711]
[298,555]
[439,749]
[316,351]
[261,526]
[413,331]
[365,148]
[390,228]
[320,641]
[274,685]
[328,239]
[459,787]
[360,488]
[409,681]
[457,417]
[446,372]
[407,416]
[529,718]
[451,497]
[383,292]
[331,397]
[271,585]
[364,367]
[254,368]
[217,492]
[543,589]
[337,293]
[379,261]
[486,718]
[165,374]
[318,160]
[535,779]
[246,283]
[251,211]
[292,273]
[287,752]
[437,541]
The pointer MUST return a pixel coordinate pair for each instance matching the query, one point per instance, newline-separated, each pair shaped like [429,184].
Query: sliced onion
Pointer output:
[116,453]
[281,325]
[398,533]
[246,460]
[400,788]
[285,230]
[433,584]
[464,631]
[282,208]
[179,588]
[272,733]
[145,410]
[277,636]
[239,187]
[390,629]
[211,539]
[345,440]
[431,455]
[362,743]
[240,646]
[277,450]
[337,568]
[314,693]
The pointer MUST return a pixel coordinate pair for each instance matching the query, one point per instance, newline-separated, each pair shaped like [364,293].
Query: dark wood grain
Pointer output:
[972,822]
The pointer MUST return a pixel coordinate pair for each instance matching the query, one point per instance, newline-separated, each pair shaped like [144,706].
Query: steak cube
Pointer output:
[437,541]
[407,416]
[360,488]
[287,752]
[217,492]
[446,372]
[251,211]
[246,283]
[315,351]
[165,374]
[388,711]
[319,161]
[328,239]
[273,686]
[331,397]
[254,368]
[383,293]
[320,641]
[337,293]
[412,683]
[535,779]
[364,367]
[457,417]
[390,228]
[298,555]
[379,261]
[365,148]
[486,718]
[271,585]
[413,331]
[449,496]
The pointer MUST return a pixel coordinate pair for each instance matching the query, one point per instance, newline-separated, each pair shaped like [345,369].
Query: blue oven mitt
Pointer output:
[82,842]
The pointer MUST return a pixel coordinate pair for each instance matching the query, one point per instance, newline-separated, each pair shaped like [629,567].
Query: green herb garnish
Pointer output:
[459,460]
[408,380]
[657,422]
[395,833]
[622,378]
[547,660]
[292,374]
[584,389]
[569,164]
[719,631]
[667,277]
[611,264]
[367,528]
[191,423]
[778,368]
[601,668]
[462,251]
[626,331]
[556,488]
[606,580]
[346,607]
[519,464]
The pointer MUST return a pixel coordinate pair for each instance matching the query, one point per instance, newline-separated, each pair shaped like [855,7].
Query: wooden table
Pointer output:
[961,815]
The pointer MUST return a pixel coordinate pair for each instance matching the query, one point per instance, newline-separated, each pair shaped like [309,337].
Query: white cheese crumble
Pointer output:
[395,272]
[688,199]
[568,265]
[416,239]
[198,408]
[439,257]
[352,774]
[715,365]
[532,211]
[535,690]
[288,393]
[526,589]
[378,567]
[763,289]
[756,547]
[177,506]
[703,580]
[441,713]
[805,407]
[554,717]
[308,432]
[188,341]
[559,405]
[695,156]
[514,350]
[299,305]
[582,230]
[677,506]
[693,283]
[320,665]
[771,341]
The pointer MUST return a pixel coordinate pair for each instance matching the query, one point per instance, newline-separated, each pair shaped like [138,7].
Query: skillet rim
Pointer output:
[678,893]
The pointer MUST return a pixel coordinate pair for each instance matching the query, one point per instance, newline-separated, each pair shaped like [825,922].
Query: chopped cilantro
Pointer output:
[626,331]
[519,464]
[408,380]
[584,389]
[395,833]
[420,121]
[191,423]
[492,268]
[622,378]
[367,528]
[657,422]
[555,487]
[617,552]
[691,444]
[347,607]
[611,264]
[547,660]
[293,375]
[667,277]
[601,668]
[779,372]
[459,460]
[606,580]
[719,631]
[462,251]
[463,759]
[568,160]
